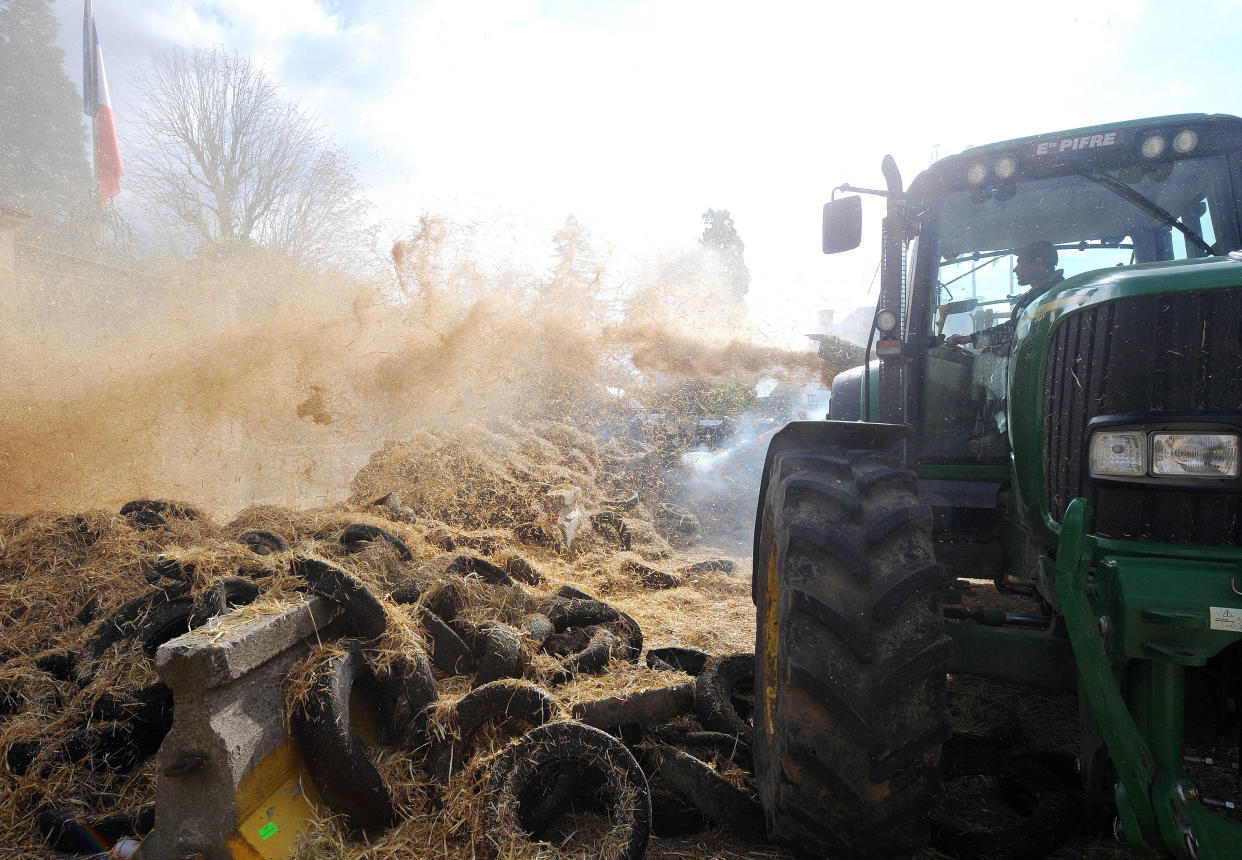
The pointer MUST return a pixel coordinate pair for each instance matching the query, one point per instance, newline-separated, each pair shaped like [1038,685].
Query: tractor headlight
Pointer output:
[1163,454]
[1186,140]
[976,173]
[1118,454]
[1153,147]
[1207,455]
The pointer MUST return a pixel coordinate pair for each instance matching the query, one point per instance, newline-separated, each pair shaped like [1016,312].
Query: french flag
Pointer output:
[98,106]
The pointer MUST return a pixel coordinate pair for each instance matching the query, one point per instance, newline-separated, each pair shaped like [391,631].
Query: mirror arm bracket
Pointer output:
[856,190]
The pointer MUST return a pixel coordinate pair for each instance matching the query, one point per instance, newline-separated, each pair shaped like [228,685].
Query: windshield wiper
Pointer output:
[1151,207]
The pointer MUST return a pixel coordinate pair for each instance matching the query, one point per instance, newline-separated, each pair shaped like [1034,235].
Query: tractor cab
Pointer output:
[1165,196]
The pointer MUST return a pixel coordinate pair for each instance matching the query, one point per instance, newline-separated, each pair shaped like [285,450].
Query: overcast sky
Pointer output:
[637,116]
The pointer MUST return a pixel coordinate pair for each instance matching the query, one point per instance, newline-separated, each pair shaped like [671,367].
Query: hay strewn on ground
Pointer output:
[474,490]
[503,493]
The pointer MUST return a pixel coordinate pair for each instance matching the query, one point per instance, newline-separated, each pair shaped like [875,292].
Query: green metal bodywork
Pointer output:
[1131,617]
[1034,334]
[1120,612]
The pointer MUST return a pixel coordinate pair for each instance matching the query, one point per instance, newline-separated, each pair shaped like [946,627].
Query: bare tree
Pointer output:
[222,155]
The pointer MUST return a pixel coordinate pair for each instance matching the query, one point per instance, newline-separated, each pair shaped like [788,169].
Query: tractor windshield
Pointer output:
[1091,225]
[1094,219]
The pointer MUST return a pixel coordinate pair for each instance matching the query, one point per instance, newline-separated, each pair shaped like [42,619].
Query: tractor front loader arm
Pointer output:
[1118,602]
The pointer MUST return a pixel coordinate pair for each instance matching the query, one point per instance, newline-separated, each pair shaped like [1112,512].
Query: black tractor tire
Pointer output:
[146,520]
[151,705]
[115,747]
[724,695]
[406,593]
[447,600]
[449,653]
[61,665]
[132,619]
[161,507]
[263,542]
[574,593]
[576,612]
[329,581]
[480,568]
[336,759]
[672,815]
[167,567]
[650,577]
[499,654]
[224,595]
[537,628]
[723,803]
[522,570]
[626,501]
[559,753]
[678,659]
[499,700]
[850,694]
[594,658]
[567,613]
[711,565]
[166,622]
[72,830]
[641,707]
[707,746]
[364,533]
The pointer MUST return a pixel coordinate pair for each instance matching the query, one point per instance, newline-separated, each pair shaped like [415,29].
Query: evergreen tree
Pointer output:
[721,236]
[44,168]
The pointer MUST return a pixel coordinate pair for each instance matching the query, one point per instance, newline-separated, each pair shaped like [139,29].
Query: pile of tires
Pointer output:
[455,661]
[669,761]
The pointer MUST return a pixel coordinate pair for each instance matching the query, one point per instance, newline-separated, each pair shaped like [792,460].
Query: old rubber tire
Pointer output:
[224,595]
[678,659]
[448,652]
[131,619]
[574,751]
[850,654]
[594,658]
[724,694]
[263,542]
[365,533]
[499,654]
[573,612]
[723,803]
[334,755]
[67,828]
[331,582]
[499,700]
[161,508]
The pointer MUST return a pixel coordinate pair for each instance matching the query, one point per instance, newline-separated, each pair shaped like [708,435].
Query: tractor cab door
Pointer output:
[964,387]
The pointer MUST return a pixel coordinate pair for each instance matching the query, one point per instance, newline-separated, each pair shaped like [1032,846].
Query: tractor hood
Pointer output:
[1153,348]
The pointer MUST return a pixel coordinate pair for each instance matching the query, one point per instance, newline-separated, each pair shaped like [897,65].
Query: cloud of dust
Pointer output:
[239,379]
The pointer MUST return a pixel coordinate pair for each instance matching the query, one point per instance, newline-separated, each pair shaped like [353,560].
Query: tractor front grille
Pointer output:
[1172,353]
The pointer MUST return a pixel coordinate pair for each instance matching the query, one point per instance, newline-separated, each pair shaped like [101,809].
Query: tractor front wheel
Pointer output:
[850,710]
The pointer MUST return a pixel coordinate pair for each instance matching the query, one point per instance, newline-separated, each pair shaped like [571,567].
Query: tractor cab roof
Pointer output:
[1100,146]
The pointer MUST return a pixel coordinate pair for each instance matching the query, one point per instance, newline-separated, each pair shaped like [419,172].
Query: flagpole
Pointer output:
[88,92]
[97,104]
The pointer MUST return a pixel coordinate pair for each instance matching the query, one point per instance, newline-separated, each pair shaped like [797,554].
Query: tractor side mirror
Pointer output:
[842,224]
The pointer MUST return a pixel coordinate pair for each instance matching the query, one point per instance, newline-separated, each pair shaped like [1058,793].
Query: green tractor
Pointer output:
[1077,441]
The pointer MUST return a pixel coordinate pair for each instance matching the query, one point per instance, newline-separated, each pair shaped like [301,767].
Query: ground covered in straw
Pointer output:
[544,502]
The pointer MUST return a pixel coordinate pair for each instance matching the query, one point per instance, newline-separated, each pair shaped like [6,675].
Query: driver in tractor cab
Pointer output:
[1037,268]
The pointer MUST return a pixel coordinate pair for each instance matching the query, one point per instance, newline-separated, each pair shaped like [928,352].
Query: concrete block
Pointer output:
[227,680]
